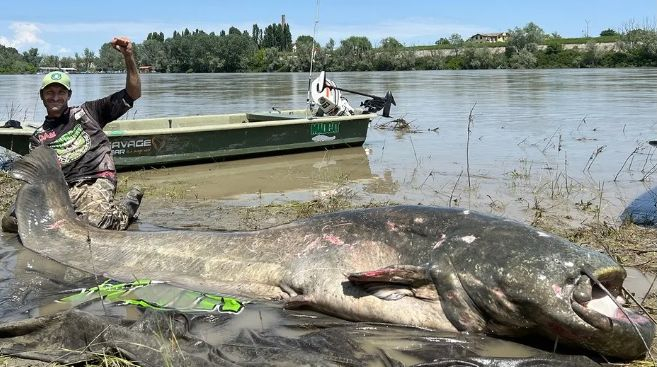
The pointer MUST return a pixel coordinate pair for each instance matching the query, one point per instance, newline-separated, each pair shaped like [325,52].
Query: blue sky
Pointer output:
[65,27]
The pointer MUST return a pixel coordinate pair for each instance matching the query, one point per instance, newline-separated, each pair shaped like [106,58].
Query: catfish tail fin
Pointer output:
[42,203]
[40,165]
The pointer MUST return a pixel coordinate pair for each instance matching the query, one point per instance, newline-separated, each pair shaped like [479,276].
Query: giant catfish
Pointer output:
[440,268]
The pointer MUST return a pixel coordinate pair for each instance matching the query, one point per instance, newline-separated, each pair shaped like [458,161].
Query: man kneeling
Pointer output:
[84,151]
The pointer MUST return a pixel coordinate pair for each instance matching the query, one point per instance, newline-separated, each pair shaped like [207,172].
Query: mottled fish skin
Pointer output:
[441,268]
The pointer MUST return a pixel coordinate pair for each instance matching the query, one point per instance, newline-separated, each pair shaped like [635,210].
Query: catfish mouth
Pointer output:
[597,300]
[608,326]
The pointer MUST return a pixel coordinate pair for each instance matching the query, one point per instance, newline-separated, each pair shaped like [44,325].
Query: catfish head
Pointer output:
[508,279]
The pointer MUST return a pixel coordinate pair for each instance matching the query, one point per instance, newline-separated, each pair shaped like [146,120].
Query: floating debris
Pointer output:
[398,124]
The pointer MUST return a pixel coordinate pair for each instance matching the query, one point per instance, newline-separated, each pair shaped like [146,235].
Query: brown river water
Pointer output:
[571,142]
[538,138]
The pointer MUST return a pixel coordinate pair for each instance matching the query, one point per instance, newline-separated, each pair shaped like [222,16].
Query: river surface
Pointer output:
[516,143]
[537,140]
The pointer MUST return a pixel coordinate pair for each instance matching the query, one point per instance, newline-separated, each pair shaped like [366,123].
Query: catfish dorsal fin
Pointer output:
[38,166]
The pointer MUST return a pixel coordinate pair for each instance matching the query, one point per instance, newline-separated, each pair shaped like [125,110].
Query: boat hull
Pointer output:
[194,139]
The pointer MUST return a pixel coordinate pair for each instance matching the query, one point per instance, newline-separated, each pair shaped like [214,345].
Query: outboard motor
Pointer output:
[327,96]
[329,99]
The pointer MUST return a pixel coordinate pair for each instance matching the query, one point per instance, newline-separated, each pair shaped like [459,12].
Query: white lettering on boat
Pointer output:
[137,143]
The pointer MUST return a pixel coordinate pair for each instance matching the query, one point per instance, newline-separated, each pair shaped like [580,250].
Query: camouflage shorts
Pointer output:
[94,201]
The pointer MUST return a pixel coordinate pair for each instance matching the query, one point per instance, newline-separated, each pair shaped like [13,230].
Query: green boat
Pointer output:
[191,139]
[155,142]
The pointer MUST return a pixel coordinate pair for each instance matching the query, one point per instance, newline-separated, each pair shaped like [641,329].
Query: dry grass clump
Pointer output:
[399,124]
[8,189]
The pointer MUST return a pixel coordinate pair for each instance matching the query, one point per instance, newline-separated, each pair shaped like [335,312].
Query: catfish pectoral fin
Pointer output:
[396,281]
[391,291]
[387,291]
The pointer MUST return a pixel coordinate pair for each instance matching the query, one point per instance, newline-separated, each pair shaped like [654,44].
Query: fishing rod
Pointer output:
[372,105]
[312,57]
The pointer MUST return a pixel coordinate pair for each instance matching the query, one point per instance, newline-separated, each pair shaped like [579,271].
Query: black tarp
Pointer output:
[166,339]
[643,209]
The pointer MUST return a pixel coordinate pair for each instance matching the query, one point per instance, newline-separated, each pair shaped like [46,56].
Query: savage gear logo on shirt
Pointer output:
[72,145]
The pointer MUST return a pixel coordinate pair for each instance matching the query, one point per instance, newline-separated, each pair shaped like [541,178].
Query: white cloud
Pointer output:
[25,35]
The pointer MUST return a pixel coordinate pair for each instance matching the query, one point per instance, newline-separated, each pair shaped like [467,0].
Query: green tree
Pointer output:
[476,57]
[526,38]
[152,52]
[273,59]
[608,32]
[330,45]
[256,35]
[555,56]
[277,35]
[641,46]
[12,62]
[591,56]
[353,54]
[233,30]
[79,62]
[442,41]
[390,56]
[304,53]
[67,62]
[524,59]
[257,62]
[235,51]
[286,38]
[32,57]
[109,59]
[179,53]
[391,44]
[88,59]
[356,46]
[457,42]
[50,60]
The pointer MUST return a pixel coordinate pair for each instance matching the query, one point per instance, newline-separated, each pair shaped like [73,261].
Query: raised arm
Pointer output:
[132,81]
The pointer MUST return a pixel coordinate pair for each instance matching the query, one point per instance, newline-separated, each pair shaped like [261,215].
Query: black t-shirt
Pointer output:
[77,137]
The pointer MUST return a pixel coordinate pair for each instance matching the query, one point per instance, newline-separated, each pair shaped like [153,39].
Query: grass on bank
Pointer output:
[557,41]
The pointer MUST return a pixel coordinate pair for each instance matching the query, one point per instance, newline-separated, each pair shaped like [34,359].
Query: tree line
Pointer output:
[271,50]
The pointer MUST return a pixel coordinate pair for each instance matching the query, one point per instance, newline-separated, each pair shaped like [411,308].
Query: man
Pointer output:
[84,151]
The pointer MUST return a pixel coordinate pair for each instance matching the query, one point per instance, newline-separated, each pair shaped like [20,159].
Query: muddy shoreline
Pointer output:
[630,244]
